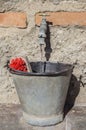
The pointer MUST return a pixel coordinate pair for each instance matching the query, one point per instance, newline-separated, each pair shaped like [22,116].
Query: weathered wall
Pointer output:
[68,43]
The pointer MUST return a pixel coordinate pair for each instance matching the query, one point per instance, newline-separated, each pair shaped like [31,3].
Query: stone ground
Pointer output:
[76,119]
[11,119]
[68,44]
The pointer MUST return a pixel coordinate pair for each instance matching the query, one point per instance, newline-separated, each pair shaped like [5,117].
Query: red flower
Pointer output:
[18,64]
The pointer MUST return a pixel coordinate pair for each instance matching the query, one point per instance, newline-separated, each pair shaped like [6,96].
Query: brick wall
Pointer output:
[19,37]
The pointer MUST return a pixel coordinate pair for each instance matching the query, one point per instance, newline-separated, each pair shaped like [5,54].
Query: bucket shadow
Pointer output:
[73,91]
[48,49]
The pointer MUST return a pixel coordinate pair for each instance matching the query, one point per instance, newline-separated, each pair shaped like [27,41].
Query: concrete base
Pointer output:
[43,121]
[11,118]
[76,118]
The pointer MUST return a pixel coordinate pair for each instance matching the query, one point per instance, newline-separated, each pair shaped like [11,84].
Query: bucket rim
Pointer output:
[65,71]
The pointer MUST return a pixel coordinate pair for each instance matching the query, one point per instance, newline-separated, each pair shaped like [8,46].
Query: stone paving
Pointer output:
[11,119]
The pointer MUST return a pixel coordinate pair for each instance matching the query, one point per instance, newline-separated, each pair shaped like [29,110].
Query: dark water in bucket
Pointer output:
[48,67]
[45,69]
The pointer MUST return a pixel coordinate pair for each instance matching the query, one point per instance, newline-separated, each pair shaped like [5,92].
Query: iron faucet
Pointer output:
[43,31]
[43,34]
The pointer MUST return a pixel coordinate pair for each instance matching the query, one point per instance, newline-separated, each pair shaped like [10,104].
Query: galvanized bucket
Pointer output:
[42,93]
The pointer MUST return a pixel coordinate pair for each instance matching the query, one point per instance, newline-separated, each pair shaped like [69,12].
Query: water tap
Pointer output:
[43,34]
[43,30]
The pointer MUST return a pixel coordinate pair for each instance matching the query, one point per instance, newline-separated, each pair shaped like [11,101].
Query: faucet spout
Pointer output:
[42,31]
[43,35]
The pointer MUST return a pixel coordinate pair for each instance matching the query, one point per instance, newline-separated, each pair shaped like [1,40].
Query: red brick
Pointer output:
[13,19]
[63,18]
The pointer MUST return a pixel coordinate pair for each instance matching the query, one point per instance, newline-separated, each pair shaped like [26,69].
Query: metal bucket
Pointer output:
[42,93]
